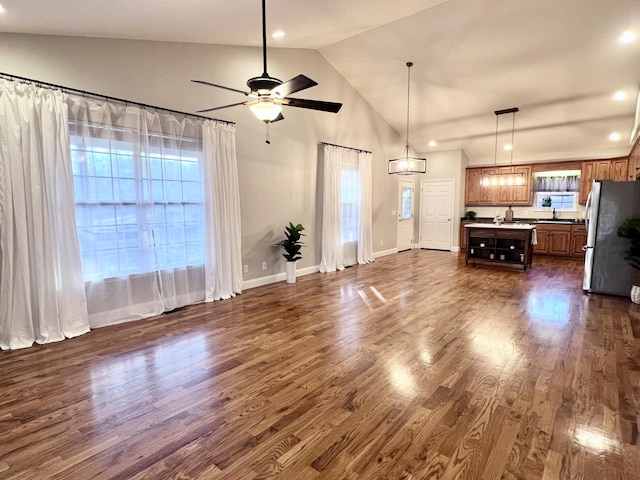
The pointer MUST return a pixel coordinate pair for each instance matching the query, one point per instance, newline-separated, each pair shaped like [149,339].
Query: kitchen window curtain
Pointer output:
[42,296]
[346,207]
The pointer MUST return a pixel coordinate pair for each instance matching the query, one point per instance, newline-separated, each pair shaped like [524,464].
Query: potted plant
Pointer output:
[470,214]
[292,245]
[630,229]
[546,203]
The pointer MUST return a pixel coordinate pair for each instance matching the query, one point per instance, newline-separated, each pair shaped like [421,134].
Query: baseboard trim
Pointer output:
[455,249]
[278,277]
[384,253]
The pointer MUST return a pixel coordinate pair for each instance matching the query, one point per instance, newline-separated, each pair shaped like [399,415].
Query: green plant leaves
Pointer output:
[630,229]
[292,244]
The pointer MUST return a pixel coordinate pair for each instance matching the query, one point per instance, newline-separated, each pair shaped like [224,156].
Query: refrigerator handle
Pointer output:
[587,211]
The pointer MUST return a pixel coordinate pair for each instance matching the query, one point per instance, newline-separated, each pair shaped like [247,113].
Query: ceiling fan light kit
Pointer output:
[503,179]
[268,94]
[407,165]
[266,109]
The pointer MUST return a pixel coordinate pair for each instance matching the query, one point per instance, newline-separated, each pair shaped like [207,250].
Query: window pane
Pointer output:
[406,202]
[129,223]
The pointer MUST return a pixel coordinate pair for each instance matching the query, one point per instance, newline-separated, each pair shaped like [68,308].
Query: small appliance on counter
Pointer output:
[608,205]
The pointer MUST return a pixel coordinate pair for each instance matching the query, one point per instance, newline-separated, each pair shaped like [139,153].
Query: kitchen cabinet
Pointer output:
[578,240]
[553,240]
[504,244]
[616,169]
[472,187]
[463,236]
[619,169]
[475,194]
[590,171]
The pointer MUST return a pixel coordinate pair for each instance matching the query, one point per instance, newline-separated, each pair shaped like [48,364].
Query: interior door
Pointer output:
[406,201]
[436,214]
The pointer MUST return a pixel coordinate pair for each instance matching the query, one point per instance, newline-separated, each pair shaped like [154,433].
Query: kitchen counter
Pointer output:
[504,226]
[562,221]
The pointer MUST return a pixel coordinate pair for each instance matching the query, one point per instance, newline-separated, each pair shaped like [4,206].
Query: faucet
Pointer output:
[555,217]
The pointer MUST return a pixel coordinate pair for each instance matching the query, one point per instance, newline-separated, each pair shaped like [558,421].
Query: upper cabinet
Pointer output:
[475,194]
[616,169]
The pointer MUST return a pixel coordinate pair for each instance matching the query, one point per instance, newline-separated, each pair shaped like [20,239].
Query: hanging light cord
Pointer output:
[409,65]
[513,127]
[495,148]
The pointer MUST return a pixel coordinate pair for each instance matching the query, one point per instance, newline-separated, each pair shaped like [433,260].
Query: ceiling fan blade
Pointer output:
[203,82]
[278,118]
[312,104]
[294,85]
[220,108]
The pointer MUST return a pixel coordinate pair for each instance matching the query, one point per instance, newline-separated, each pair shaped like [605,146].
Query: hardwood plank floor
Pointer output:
[413,367]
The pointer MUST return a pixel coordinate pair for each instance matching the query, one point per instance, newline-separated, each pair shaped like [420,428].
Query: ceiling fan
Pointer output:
[267,94]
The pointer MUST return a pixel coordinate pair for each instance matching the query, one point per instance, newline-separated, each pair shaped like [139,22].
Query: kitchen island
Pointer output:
[507,244]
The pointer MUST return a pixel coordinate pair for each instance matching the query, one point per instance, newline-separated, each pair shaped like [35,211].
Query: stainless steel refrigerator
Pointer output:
[609,204]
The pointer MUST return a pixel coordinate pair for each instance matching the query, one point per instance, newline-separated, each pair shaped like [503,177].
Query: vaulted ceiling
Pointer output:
[559,61]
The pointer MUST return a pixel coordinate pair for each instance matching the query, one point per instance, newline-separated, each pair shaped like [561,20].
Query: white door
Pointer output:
[405,214]
[436,214]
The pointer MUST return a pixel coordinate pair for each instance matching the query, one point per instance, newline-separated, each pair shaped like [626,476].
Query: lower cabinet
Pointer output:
[554,240]
[578,240]
[560,240]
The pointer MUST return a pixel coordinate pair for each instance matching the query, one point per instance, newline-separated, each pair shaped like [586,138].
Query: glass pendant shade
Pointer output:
[502,179]
[266,109]
[408,166]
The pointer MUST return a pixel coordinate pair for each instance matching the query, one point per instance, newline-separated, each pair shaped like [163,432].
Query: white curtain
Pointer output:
[151,237]
[346,209]
[223,247]
[365,230]
[42,295]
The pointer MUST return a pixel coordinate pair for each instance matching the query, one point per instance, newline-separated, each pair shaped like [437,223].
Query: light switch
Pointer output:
[393,212]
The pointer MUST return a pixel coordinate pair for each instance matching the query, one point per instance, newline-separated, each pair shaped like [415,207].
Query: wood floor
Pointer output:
[413,367]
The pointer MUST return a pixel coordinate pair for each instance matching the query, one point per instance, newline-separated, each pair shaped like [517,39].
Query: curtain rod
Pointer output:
[105,97]
[348,148]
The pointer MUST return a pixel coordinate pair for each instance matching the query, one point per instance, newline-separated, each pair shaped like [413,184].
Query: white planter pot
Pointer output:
[290,268]
[635,294]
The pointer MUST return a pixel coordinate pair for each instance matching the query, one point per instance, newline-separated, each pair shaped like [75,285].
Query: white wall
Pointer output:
[445,165]
[278,181]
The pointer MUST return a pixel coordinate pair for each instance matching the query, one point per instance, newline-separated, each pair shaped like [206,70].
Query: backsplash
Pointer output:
[525,212]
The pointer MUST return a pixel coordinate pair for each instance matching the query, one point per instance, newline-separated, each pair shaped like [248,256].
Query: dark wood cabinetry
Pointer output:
[503,245]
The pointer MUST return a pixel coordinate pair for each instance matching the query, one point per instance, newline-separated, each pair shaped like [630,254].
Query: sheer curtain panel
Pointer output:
[222,200]
[42,295]
[365,230]
[346,208]
[332,252]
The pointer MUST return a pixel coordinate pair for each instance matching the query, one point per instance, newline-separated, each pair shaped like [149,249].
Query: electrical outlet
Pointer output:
[382,243]
[264,265]
[394,213]
[245,269]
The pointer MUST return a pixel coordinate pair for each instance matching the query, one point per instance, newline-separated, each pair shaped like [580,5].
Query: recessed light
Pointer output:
[619,96]
[508,147]
[614,137]
[628,37]
[432,143]
[277,34]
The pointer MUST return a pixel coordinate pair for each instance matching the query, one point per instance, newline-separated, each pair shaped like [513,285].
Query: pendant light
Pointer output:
[408,165]
[503,179]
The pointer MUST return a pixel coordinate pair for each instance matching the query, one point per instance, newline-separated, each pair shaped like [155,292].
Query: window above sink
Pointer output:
[560,187]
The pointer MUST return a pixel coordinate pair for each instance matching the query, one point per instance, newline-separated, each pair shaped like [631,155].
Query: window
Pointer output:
[406,203]
[561,201]
[350,194]
[136,212]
